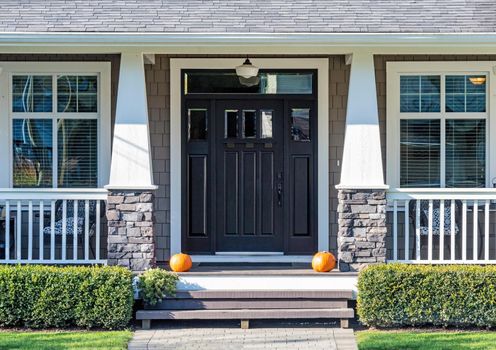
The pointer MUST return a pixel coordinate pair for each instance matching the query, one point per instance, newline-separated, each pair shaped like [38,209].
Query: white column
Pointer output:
[131,166]
[362,160]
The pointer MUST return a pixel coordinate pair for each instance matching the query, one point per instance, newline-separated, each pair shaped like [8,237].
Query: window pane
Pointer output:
[420,153]
[465,93]
[77,94]
[231,124]
[197,124]
[32,93]
[420,93]
[77,153]
[466,153]
[32,152]
[300,124]
[249,124]
[266,124]
[224,82]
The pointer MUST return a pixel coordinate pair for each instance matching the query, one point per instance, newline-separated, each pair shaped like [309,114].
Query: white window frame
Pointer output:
[394,70]
[103,115]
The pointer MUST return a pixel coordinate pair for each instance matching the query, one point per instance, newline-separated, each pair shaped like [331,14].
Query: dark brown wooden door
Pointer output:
[249,176]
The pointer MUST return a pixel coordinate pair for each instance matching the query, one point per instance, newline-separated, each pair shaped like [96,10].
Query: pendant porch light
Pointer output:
[247,70]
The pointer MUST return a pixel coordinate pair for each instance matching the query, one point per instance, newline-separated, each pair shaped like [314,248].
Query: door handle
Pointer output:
[279,194]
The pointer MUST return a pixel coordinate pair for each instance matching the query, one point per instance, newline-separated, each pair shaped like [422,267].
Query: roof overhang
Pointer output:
[248,39]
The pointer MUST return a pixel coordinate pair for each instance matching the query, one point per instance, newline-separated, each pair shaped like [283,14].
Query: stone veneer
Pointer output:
[362,228]
[131,241]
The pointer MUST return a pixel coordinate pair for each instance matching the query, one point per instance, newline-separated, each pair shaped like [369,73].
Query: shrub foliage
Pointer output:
[48,296]
[396,295]
[155,284]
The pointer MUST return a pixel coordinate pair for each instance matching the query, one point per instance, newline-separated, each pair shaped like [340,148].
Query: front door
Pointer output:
[249,150]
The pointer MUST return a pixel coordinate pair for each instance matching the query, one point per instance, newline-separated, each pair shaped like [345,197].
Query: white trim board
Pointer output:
[34,67]
[393,72]
[322,67]
[252,258]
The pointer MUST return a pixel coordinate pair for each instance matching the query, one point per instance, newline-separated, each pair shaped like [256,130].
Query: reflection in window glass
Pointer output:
[465,93]
[77,153]
[420,152]
[420,93]
[249,124]
[300,124]
[227,82]
[266,124]
[32,152]
[466,153]
[197,124]
[31,93]
[77,94]
[231,124]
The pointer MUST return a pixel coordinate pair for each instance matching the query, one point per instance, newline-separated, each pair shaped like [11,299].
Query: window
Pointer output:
[437,126]
[55,130]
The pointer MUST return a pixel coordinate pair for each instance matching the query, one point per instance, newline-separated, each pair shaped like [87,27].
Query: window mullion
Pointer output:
[442,94]
[55,155]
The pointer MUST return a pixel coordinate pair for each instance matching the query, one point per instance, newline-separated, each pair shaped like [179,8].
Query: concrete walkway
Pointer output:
[204,335]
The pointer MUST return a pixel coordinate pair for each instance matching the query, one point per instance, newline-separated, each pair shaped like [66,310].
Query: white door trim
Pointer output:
[322,67]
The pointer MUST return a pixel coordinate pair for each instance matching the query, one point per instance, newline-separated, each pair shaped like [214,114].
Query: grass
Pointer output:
[420,340]
[64,340]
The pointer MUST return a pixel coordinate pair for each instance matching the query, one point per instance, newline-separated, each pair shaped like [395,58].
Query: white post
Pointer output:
[362,159]
[131,152]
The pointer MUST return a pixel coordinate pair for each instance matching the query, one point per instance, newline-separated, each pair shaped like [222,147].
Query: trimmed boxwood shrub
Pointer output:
[48,296]
[156,284]
[393,295]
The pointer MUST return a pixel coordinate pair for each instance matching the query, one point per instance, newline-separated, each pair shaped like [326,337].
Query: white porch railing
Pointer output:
[442,226]
[51,226]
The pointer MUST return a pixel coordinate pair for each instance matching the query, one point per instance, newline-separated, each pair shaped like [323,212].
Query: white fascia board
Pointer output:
[212,39]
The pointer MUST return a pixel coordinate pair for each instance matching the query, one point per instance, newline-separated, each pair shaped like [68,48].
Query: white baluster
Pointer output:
[429,242]
[30,231]
[395,230]
[407,229]
[464,230]
[475,249]
[75,232]
[64,229]
[7,230]
[41,237]
[86,230]
[417,230]
[452,228]
[441,230]
[97,236]
[19,231]
[52,230]
[486,230]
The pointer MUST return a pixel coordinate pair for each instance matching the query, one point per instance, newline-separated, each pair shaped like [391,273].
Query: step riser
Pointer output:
[209,304]
[265,294]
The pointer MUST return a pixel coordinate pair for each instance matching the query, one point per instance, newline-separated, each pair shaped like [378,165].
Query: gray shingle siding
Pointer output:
[282,16]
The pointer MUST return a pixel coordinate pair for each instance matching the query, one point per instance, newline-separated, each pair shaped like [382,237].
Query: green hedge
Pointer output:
[47,296]
[393,295]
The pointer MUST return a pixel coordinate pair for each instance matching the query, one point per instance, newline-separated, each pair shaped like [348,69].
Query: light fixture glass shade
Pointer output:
[249,82]
[477,80]
[247,70]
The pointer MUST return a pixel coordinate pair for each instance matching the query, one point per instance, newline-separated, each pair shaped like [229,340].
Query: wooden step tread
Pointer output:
[254,303]
[265,294]
[243,314]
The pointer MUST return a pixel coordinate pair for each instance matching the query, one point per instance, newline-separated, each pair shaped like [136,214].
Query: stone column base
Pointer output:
[131,240]
[362,228]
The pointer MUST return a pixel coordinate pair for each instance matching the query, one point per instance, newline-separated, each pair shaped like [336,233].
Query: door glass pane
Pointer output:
[266,124]
[32,93]
[77,153]
[249,124]
[420,149]
[466,153]
[465,93]
[197,124]
[420,93]
[300,124]
[231,124]
[32,152]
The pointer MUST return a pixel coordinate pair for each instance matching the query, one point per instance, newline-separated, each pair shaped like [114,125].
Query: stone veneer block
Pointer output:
[131,240]
[362,228]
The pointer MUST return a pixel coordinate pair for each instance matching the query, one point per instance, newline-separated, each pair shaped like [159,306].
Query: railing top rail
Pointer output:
[53,193]
[442,193]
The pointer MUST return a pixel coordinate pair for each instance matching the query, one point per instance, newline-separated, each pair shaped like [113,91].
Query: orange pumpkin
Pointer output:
[323,262]
[180,262]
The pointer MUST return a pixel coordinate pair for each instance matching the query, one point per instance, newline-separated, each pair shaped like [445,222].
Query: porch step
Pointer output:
[251,304]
